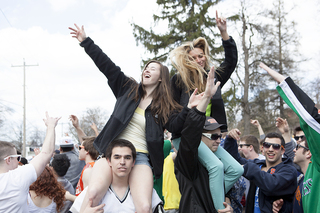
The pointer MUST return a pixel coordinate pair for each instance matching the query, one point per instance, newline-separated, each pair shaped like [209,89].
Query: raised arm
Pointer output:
[283,127]
[229,64]
[117,81]
[257,124]
[43,158]
[94,128]
[222,26]
[75,123]
[231,145]
[303,106]
[275,75]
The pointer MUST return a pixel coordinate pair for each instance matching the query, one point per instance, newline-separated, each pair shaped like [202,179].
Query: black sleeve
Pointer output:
[187,159]
[226,68]
[116,78]
[231,146]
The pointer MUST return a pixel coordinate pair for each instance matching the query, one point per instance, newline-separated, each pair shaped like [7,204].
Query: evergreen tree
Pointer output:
[187,20]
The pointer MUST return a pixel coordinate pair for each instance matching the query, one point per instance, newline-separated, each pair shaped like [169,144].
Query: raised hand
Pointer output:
[222,26]
[194,99]
[255,122]
[78,33]
[221,22]
[211,87]
[282,125]
[74,120]
[50,121]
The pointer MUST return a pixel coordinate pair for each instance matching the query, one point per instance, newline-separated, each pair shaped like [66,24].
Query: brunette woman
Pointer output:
[139,116]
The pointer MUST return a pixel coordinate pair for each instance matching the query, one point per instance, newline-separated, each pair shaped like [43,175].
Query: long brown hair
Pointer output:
[47,185]
[162,101]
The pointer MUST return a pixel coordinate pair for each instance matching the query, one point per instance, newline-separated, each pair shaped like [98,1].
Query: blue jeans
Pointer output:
[223,170]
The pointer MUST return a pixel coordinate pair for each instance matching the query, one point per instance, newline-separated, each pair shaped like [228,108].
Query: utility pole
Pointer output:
[24,153]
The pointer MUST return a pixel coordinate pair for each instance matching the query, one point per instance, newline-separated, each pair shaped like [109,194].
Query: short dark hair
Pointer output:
[60,164]
[88,146]
[120,143]
[275,135]
[252,140]
[297,129]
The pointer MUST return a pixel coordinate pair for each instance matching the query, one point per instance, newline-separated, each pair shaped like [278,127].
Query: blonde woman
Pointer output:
[192,61]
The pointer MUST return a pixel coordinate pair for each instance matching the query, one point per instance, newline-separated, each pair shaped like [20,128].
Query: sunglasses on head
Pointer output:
[275,146]
[298,146]
[13,156]
[302,137]
[81,147]
[241,145]
[212,136]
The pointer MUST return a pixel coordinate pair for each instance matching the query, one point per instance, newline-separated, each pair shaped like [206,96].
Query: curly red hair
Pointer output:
[47,185]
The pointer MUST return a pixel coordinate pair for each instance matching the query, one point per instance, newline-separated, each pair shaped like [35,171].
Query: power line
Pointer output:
[5,17]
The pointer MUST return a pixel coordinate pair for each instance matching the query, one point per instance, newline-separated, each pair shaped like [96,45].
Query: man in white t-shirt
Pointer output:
[15,181]
[121,156]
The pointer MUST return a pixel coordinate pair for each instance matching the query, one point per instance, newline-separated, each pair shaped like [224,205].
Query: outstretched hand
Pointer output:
[194,99]
[78,33]
[50,121]
[211,87]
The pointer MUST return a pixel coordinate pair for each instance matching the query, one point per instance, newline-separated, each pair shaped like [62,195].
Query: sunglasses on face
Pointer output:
[241,145]
[13,156]
[302,137]
[81,147]
[212,136]
[298,146]
[275,146]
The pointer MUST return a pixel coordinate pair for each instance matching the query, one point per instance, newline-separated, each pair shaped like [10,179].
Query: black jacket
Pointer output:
[192,177]
[124,108]
[181,96]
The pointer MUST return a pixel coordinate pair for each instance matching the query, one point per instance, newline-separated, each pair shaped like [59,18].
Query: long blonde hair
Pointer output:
[191,74]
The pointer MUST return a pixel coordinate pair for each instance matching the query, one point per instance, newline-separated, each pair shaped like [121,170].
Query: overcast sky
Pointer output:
[66,81]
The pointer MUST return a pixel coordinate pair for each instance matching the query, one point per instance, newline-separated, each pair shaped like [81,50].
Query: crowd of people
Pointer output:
[201,167]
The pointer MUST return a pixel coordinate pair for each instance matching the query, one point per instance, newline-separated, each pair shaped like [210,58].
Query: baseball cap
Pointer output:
[212,124]
[66,142]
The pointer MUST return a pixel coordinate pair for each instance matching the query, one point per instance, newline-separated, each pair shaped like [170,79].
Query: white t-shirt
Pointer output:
[14,189]
[113,203]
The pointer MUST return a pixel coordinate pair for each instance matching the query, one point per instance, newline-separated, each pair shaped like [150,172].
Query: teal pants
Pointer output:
[223,171]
